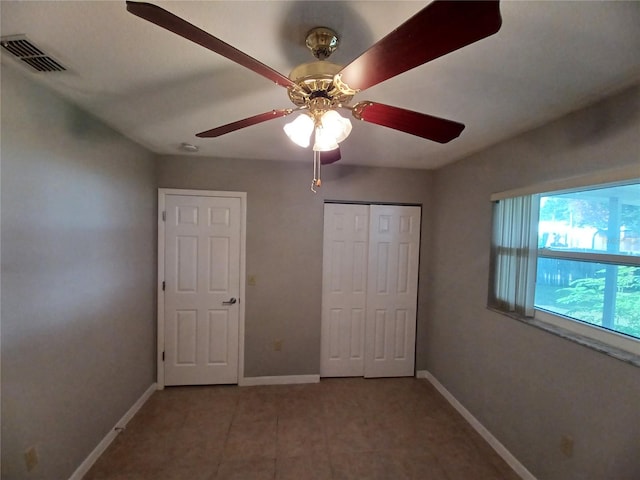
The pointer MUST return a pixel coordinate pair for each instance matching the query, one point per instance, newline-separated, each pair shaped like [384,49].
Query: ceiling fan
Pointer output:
[318,89]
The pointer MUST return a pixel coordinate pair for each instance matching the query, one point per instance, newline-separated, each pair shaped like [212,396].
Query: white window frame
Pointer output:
[583,332]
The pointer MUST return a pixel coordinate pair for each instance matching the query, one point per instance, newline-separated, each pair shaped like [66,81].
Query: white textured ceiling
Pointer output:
[159,89]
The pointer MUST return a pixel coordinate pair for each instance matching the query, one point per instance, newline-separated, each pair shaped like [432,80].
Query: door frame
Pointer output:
[162,194]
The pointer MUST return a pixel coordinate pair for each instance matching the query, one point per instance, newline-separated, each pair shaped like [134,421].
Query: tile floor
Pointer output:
[337,429]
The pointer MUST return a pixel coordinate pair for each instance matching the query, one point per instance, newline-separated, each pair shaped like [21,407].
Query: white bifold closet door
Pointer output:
[369,290]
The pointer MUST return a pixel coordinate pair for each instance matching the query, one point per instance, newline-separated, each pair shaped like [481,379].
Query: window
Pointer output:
[571,255]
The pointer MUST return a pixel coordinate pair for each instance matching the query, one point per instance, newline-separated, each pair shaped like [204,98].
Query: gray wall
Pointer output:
[78,265]
[526,386]
[78,279]
[284,245]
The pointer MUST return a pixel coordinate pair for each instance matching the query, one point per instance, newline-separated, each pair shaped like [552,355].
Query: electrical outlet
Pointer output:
[566,446]
[251,280]
[277,345]
[31,458]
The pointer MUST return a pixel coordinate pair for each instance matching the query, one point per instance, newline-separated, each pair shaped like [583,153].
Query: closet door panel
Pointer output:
[394,244]
[344,289]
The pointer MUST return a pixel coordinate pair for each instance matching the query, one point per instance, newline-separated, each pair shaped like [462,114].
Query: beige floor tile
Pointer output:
[260,469]
[159,414]
[417,466]
[193,446]
[397,433]
[349,436]
[255,408]
[173,472]
[253,440]
[133,453]
[352,428]
[301,436]
[120,476]
[300,404]
[460,459]
[335,410]
[307,467]
[209,419]
[361,466]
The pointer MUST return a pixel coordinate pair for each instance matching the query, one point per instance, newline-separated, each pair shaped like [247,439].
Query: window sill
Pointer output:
[597,345]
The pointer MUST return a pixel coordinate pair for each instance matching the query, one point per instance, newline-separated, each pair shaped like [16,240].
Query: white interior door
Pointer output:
[369,290]
[394,247]
[344,283]
[202,289]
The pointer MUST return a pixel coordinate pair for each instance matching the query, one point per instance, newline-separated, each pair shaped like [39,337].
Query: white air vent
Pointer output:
[24,50]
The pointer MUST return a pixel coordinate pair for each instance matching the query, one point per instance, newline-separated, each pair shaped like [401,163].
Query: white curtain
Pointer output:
[513,254]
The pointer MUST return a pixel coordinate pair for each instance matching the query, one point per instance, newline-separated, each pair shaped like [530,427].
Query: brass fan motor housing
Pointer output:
[316,79]
[319,87]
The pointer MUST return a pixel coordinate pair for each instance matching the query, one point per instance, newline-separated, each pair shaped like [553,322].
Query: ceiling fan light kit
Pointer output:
[330,129]
[300,130]
[336,125]
[318,89]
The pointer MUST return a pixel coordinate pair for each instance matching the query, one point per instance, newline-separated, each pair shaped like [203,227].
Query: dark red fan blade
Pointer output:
[433,128]
[175,24]
[439,28]
[329,157]
[246,122]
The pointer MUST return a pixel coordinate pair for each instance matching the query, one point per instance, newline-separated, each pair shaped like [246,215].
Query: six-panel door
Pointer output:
[392,292]
[344,289]
[202,275]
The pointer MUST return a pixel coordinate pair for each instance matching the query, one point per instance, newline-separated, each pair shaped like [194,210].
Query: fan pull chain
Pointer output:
[316,183]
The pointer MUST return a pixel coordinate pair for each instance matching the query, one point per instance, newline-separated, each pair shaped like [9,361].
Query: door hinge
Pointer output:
[164,285]
[163,356]
[164,216]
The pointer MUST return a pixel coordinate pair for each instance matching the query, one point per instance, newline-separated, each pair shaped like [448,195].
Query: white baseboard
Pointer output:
[481,429]
[84,467]
[278,380]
